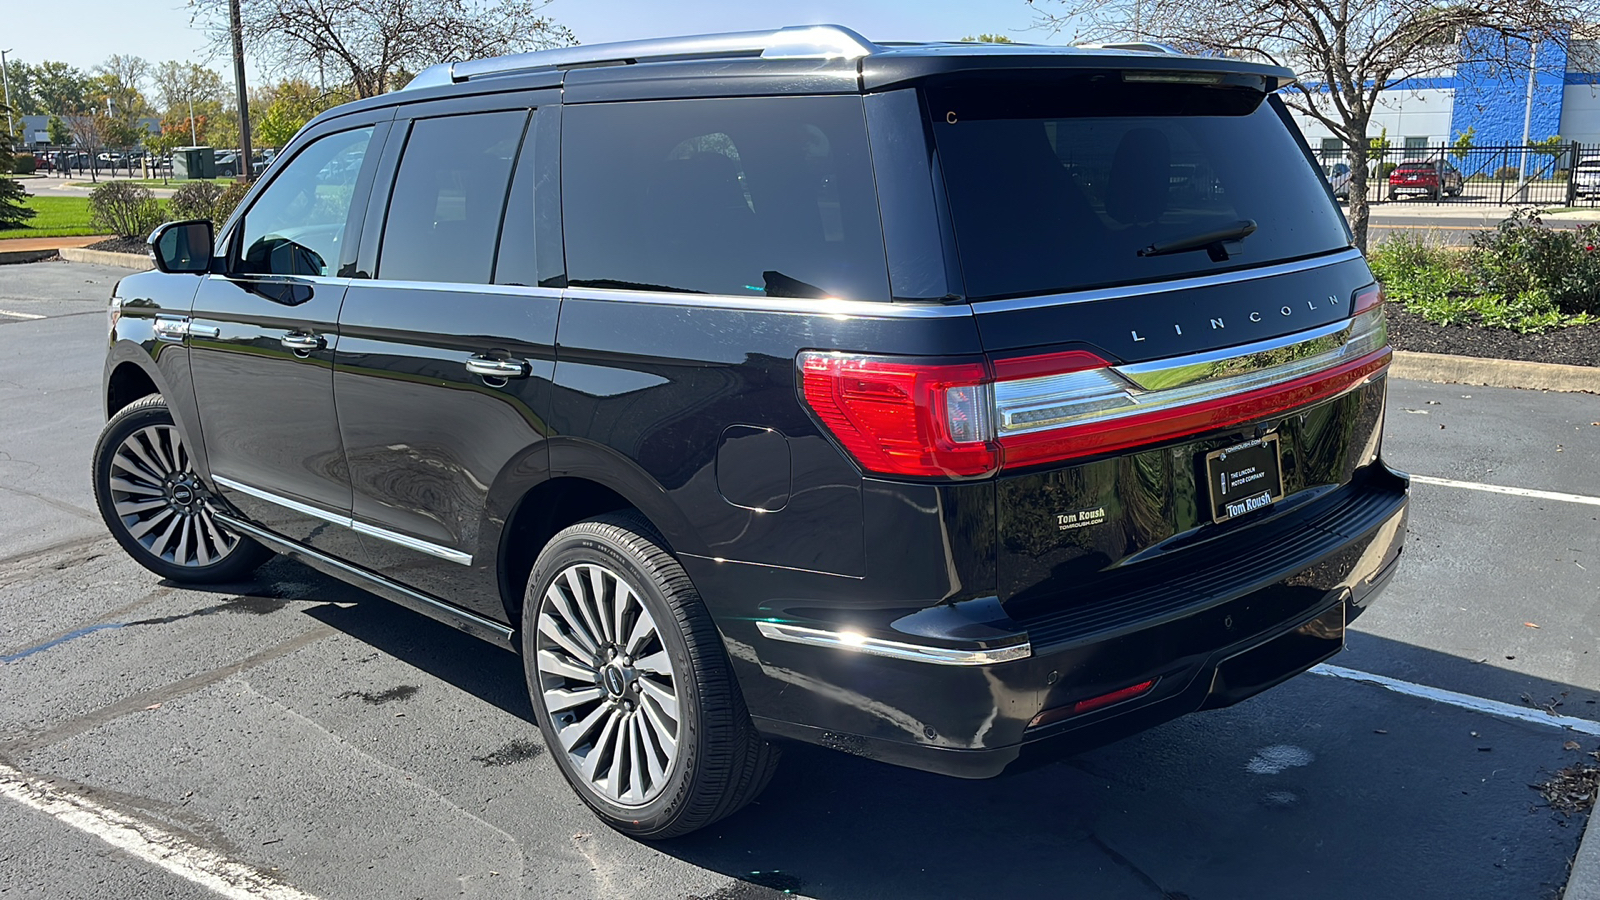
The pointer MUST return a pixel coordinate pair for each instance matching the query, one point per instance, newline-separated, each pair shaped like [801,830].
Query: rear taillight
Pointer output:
[970,418]
[904,417]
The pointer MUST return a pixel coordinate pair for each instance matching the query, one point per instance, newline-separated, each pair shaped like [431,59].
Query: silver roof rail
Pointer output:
[1144,46]
[795,42]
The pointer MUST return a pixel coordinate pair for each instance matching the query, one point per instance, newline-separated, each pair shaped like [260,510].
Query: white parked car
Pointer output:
[1586,180]
[1338,175]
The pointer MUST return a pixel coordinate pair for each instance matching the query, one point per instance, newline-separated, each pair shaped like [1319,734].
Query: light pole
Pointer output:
[5,76]
[245,172]
[194,141]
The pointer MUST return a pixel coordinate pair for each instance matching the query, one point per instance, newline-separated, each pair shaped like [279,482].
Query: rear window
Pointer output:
[1414,167]
[1058,183]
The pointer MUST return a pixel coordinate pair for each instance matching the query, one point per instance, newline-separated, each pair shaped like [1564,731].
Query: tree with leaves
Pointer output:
[987,39]
[371,44]
[13,213]
[1347,52]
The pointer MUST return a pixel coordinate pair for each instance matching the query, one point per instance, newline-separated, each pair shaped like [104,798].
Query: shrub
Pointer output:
[195,200]
[124,209]
[1523,256]
[24,164]
[229,200]
[1507,173]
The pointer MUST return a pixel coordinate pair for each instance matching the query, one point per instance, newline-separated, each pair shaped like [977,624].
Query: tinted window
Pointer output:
[768,197]
[444,212]
[296,225]
[1058,184]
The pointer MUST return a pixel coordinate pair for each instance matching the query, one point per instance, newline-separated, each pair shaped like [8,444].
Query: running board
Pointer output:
[470,623]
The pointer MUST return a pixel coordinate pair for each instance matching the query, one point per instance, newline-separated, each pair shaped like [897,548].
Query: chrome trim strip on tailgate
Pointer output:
[850,640]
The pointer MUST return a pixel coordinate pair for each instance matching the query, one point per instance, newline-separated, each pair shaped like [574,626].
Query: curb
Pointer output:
[107,258]
[1506,373]
[24,256]
[1583,881]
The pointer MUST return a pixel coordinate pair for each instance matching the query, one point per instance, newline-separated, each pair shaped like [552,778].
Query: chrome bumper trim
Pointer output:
[849,640]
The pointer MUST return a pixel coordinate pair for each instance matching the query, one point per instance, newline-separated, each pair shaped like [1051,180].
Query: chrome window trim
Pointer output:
[393,537]
[460,287]
[1161,287]
[848,640]
[862,309]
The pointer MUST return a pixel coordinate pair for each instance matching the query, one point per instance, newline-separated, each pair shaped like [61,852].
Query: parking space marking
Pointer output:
[1502,489]
[20,315]
[1465,701]
[141,839]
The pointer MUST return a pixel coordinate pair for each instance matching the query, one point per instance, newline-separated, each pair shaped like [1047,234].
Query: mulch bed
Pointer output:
[122,245]
[1578,345]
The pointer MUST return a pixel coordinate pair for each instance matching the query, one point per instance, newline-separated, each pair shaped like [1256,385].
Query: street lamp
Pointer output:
[5,76]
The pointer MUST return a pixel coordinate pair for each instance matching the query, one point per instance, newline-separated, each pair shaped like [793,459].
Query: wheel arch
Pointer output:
[582,479]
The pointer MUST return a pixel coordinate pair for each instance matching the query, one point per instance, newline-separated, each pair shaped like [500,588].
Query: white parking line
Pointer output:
[20,315]
[1465,701]
[207,868]
[1513,491]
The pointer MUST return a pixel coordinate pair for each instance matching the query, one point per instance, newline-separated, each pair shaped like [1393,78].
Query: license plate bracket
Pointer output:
[1244,477]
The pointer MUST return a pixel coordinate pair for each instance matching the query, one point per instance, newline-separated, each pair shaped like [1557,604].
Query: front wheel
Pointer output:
[155,506]
[634,693]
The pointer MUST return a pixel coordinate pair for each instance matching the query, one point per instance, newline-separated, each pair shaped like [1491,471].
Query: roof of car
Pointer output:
[810,59]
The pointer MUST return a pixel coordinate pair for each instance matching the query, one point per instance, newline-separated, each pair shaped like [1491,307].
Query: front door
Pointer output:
[263,335]
[443,369]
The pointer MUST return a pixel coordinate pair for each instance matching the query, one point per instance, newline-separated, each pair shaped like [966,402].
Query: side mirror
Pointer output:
[183,247]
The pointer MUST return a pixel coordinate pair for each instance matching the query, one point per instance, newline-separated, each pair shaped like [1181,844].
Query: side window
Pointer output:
[295,226]
[769,197]
[444,213]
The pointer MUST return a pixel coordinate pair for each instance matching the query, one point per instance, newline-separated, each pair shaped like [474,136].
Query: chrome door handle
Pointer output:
[492,367]
[301,341]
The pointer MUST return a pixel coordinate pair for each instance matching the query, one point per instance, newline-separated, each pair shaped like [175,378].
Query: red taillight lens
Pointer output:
[1366,298]
[904,417]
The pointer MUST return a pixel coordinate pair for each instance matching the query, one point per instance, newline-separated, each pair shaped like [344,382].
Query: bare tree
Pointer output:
[1347,52]
[88,131]
[372,44]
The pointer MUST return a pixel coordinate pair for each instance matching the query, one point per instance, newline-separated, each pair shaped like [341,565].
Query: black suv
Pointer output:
[947,405]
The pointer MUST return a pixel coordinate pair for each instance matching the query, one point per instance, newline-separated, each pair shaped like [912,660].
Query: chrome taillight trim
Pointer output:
[1027,405]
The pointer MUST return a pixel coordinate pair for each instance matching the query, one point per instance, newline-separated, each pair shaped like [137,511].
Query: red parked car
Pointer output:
[1433,178]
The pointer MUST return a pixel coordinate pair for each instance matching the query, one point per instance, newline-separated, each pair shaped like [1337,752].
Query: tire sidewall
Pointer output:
[563,551]
[144,414]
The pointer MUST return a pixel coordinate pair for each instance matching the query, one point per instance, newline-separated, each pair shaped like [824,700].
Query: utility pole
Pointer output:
[194,140]
[5,76]
[246,171]
[1527,115]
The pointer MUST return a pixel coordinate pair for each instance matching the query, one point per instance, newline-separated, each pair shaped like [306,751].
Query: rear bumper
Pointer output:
[1209,637]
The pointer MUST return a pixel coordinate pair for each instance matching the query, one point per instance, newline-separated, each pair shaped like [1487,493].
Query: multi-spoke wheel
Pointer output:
[635,695]
[155,504]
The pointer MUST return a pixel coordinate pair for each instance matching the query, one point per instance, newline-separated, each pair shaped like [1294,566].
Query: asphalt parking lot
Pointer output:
[292,737]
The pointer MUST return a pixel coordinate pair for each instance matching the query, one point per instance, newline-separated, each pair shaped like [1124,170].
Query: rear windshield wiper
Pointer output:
[1211,241]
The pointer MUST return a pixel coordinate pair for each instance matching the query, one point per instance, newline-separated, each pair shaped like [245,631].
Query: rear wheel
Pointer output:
[634,692]
[155,505]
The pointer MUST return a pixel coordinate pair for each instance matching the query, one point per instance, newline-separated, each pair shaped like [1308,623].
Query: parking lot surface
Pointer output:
[294,737]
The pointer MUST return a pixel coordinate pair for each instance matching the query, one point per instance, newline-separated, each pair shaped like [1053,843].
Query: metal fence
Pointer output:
[1516,175]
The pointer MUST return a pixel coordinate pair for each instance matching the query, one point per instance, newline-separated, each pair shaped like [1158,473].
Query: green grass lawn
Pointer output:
[57,217]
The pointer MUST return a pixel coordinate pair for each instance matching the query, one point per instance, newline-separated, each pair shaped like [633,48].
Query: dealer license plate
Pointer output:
[1244,478]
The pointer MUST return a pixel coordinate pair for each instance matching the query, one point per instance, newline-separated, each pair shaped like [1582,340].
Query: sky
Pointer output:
[84,32]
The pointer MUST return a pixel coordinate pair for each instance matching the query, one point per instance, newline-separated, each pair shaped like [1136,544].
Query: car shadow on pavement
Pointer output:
[1318,788]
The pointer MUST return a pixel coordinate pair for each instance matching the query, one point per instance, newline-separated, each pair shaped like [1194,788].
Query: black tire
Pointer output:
[140,460]
[721,763]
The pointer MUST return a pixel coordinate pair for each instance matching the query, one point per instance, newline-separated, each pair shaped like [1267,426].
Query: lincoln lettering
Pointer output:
[1219,322]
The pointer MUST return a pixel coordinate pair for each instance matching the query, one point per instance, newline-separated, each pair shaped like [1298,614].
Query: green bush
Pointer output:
[124,209]
[23,164]
[229,201]
[195,200]
[1522,276]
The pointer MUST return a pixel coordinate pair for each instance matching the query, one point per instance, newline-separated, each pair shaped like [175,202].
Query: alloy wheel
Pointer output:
[608,684]
[161,502]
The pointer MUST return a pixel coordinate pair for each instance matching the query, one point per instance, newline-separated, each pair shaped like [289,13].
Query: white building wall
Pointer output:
[1580,113]
[1415,113]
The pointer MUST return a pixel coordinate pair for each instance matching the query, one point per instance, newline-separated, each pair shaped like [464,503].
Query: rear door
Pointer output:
[264,333]
[443,370]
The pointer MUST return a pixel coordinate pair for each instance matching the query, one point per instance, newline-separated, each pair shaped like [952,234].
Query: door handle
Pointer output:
[493,367]
[301,341]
